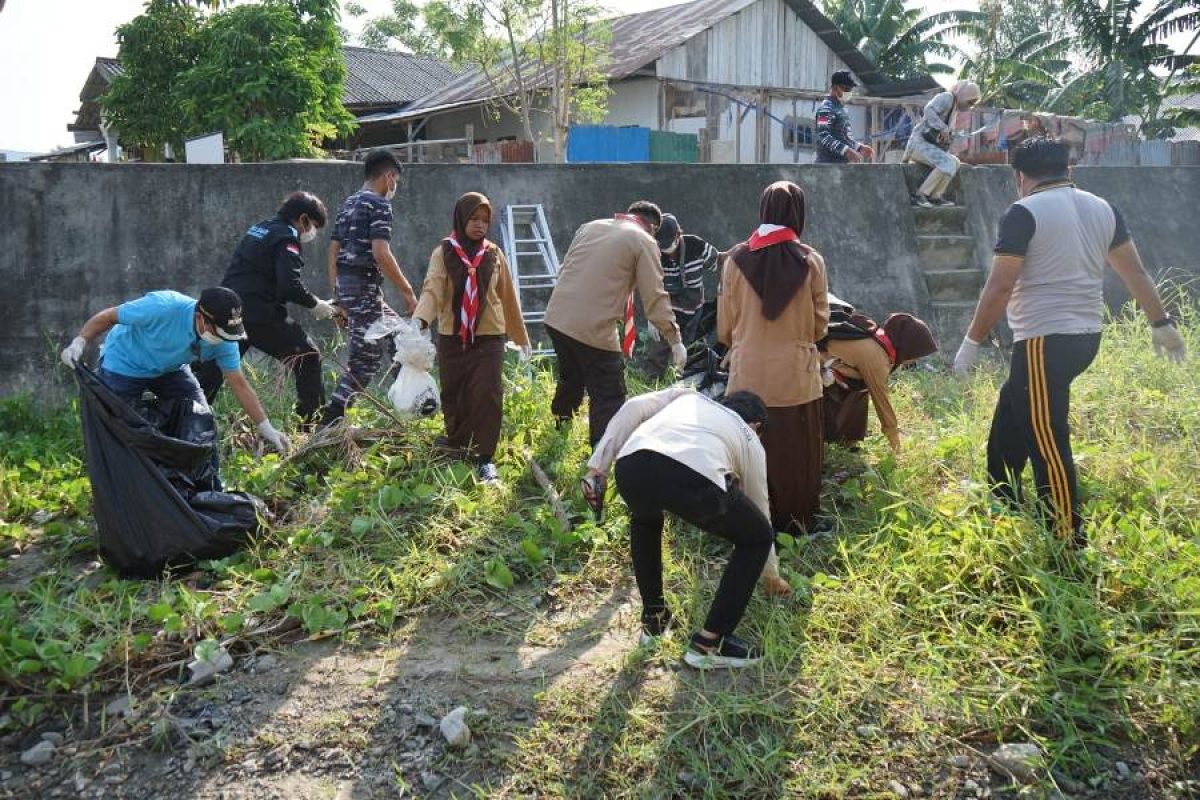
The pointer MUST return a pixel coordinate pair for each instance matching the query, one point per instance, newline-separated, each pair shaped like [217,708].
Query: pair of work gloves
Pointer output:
[679,353]
[1166,341]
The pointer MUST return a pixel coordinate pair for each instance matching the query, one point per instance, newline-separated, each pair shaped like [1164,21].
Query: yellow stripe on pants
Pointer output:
[1043,427]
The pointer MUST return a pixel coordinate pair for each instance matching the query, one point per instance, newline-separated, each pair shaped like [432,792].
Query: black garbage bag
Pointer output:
[155,494]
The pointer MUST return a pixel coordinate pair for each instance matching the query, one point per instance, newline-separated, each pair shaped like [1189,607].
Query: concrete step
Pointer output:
[949,320]
[944,219]
[954,284]
[945,251]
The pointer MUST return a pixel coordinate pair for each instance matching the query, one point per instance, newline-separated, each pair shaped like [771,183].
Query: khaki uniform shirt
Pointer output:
[776,359]
[866,360]
[607,260]
[501,315]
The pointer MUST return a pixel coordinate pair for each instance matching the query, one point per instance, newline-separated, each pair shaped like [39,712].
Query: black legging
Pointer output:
[652,483]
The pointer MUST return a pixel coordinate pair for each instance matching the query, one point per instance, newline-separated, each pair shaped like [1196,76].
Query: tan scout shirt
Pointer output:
[866,360]
[776,359]
[501,315]
[699,433]
[606,261]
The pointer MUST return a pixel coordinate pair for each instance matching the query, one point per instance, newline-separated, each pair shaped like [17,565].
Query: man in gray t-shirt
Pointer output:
[1049,270]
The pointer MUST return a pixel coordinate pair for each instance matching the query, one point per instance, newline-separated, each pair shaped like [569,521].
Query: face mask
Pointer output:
[391,193]
[671,250]
[211,337]
[309,235]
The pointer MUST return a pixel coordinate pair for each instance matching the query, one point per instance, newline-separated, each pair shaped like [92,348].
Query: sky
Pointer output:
[47,48]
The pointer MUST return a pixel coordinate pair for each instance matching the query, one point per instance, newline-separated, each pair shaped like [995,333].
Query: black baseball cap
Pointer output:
[668,231]
[223,308]
[843,78]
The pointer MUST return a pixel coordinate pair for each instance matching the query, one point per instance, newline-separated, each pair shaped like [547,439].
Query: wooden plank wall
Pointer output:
[765,44]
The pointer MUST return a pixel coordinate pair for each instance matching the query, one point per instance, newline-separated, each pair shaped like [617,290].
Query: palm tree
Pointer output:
[1121,41]
[1021,76]
[900,41]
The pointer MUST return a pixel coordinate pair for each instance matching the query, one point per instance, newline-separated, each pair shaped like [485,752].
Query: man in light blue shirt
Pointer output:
[152,340]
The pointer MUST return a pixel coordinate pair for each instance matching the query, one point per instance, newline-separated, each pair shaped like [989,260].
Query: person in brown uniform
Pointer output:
[861,367]
[607,260]
[469,292]
[771,313]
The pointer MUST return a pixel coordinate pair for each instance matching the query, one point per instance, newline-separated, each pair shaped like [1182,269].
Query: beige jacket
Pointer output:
[866,360]
[501,315]
[699,433]
[776,359]
[607,260]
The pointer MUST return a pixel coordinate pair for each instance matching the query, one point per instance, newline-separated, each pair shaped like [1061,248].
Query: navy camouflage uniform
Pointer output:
[363,218]
[833,133]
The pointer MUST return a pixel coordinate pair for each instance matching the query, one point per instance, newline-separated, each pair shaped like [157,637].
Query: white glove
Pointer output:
[654,333]
[526,353]
[426,331]
[323,309]
[277,440]
[965,358]
[74,351]
[827,378]
[1167,342]
[678,355]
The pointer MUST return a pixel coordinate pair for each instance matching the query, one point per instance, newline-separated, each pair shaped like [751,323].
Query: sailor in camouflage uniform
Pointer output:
[835,145]
[359,257]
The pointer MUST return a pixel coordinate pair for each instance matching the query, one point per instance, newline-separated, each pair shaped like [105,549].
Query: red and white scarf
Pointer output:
[767,235]
[468,315]
[629,332]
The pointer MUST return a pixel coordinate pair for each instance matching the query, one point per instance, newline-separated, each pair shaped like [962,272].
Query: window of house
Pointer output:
[798,132]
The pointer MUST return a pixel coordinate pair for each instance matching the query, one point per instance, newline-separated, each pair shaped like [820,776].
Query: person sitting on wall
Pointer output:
[700,459]
[686,259]
[152,340]
[607,260]
[265,272]
[835,145]
[859,355]
[930,142]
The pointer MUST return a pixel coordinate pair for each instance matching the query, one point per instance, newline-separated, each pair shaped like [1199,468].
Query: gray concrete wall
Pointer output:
[78,237]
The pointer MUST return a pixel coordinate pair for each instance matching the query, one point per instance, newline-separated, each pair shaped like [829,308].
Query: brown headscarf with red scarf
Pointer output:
[467,205]
[774,262]
[910,338]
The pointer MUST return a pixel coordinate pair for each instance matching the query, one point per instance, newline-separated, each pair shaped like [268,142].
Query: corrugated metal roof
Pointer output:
[638,40]
[1189,101]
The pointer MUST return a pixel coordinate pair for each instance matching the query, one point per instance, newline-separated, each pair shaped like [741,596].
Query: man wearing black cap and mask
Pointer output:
[685,259]
[834,143]
[152,340]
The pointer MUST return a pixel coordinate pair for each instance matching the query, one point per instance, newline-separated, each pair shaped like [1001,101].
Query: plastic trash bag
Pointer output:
[414,393]
[156,497]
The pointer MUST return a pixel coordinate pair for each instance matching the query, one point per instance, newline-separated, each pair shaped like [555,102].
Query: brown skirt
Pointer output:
[793,441]
[845,415]
[472,393]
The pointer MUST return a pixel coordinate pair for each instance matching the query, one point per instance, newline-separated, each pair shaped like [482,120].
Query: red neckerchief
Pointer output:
[629,331]
[767,235]
[886,344]
[469,313]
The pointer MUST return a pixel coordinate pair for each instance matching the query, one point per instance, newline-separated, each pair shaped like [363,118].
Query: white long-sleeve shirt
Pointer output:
[699,433]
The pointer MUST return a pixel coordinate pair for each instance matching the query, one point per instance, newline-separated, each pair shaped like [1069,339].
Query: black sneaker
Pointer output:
[922,201]
[488,473]
[655,624]
[727,652]
[941,201]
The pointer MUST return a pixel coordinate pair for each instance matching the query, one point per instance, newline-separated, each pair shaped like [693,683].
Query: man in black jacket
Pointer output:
[265,272]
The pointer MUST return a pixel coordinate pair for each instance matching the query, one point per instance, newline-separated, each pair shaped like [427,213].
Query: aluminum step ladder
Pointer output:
[532,260]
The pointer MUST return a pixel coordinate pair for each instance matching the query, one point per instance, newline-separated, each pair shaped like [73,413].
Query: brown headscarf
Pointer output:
[467,205]
[777,272]
[910,336]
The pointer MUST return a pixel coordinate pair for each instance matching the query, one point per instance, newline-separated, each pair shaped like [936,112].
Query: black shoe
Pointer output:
[655,624]
[941,201]
[332,415]
[727,652]
[922,201]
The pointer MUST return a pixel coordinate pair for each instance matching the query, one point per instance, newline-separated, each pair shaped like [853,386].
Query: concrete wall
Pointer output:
[79,237]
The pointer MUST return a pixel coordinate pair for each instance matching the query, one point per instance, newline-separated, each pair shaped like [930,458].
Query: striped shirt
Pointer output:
[683,272]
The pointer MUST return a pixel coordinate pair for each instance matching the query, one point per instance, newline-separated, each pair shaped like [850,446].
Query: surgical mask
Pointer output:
[672,249]
[308,235]
[211,337]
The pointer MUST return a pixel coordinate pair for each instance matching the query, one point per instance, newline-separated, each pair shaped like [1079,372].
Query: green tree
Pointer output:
[1121,41]
[542,57]
[143,102]
[1019,53]
[903,42]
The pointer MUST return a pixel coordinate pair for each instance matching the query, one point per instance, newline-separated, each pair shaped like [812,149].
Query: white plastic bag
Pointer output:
[414,393]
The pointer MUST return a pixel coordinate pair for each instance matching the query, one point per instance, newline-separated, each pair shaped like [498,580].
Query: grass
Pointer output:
[927,625]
